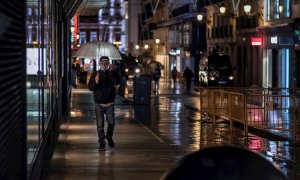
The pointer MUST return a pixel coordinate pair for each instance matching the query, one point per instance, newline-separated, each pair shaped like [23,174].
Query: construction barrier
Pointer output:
[271,110]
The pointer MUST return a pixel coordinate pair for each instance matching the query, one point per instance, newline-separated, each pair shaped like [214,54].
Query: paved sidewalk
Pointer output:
[149,139]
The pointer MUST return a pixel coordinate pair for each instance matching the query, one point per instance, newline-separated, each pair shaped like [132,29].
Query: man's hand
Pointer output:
[112,67]
[97,78]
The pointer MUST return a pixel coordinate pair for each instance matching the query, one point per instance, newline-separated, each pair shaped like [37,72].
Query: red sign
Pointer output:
[75,28]
[256,41]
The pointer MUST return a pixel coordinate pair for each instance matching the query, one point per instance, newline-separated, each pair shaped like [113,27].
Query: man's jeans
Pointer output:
[156,86]
[101,110]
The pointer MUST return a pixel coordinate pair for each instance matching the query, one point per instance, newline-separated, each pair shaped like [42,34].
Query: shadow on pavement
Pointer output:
[223,162]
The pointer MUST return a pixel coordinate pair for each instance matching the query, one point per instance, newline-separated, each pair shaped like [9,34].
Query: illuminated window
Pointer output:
[186,38]
[286,8]
[93,36]
[277,9]
[82,37]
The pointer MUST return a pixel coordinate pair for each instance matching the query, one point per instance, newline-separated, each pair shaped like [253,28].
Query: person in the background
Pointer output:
[174,73]
[156,76]
[188,75]
[123,76]
[74,74]
[103,83]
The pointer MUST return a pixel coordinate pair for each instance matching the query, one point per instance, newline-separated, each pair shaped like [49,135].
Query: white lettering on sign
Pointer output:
[274,40]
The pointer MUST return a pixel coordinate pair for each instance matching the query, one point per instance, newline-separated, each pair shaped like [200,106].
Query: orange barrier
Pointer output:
[265,109]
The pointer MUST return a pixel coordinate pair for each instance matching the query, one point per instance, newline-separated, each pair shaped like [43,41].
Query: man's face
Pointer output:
[104,63]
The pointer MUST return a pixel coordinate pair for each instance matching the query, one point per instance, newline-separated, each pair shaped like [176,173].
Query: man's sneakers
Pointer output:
[111,143]
[102,147]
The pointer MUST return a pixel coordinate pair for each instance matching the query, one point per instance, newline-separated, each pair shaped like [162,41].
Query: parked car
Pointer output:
[131,65]
[216,70]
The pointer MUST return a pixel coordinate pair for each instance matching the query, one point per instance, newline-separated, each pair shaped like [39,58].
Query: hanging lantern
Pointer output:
[199,17]
[222,9]
[247,8]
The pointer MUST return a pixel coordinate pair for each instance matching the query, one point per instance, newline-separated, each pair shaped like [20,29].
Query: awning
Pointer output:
[82,7]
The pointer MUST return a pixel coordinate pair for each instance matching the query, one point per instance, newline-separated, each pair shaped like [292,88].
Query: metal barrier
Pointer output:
[275,113]
[271,110]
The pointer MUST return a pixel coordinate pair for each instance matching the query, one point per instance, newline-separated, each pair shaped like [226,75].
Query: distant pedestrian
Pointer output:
[74,74]
[123,81]
[188,75]
[174,73]
[156,76]
[103,83]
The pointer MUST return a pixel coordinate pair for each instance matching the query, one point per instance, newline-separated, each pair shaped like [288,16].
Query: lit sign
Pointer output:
[74,28]
[117,43]
[274,40]
[75,33]
[256,41]
[286,41]
[174,52]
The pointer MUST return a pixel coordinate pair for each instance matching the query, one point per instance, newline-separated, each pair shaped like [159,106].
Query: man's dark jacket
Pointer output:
[104,91]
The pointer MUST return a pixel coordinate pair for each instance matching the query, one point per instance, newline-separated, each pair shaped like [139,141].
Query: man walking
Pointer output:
[188,75]
[174,76]
[156,77]
[103,83]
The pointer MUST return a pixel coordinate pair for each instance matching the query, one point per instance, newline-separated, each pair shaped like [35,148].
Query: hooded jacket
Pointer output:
[104,91]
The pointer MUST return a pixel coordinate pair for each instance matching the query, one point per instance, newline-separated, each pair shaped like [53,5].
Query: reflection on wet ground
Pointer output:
[173,119]
[177,117]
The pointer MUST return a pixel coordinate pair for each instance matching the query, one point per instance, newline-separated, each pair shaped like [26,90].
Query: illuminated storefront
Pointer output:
[277,59]
[47,66]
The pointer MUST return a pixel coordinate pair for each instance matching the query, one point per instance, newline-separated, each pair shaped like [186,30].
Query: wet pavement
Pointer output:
[150,138]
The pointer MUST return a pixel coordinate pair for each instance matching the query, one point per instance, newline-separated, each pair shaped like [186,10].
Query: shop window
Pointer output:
[42,74]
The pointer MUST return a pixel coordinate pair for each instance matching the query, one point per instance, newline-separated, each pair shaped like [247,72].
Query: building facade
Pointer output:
[262,44]
[181,37]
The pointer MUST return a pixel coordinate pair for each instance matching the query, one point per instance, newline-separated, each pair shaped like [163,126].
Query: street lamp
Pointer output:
[247,8]
[137,49]
[199,17]
[146,46]
[222,9]
[280,8]
[157,41]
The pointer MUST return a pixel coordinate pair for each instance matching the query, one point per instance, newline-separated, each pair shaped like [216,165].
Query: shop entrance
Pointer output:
[276,68]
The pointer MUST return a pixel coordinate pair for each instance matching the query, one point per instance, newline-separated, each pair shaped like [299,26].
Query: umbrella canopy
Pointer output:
[96,49]
[153,65]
